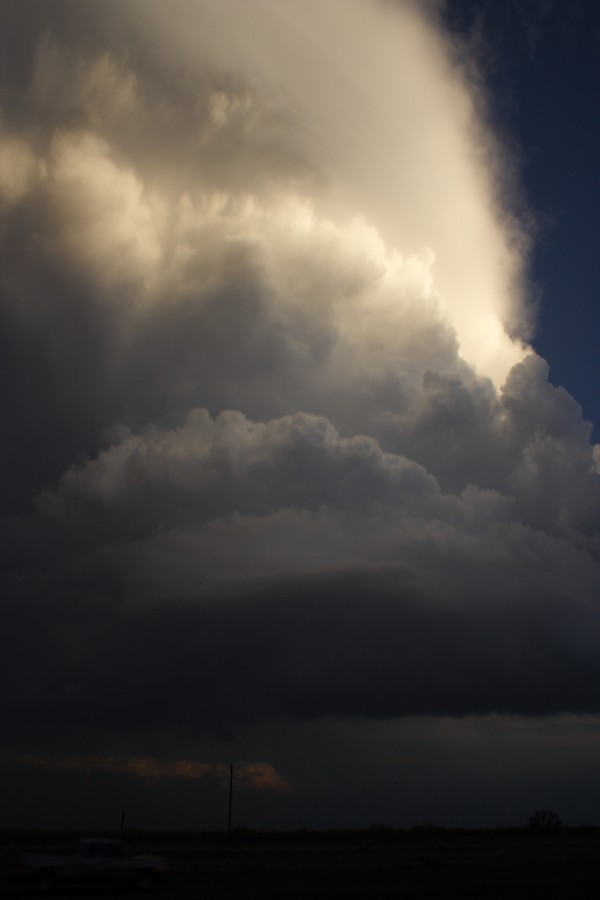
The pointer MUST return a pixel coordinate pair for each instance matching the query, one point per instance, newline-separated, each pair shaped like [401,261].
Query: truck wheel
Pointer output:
[144,882]
[45,882]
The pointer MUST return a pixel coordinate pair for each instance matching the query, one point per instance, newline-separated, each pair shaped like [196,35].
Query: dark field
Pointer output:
[380,863]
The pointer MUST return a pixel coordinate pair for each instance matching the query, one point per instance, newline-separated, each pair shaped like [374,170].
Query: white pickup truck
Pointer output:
[99,862]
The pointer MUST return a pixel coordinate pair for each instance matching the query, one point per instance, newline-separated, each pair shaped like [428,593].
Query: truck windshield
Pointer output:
[104,850]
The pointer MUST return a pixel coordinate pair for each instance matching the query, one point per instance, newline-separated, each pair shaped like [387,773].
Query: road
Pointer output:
[544,868]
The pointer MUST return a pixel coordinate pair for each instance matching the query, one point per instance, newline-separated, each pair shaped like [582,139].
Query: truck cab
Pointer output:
[99,862]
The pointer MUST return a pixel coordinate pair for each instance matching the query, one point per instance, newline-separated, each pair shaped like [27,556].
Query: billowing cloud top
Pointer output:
[270,416]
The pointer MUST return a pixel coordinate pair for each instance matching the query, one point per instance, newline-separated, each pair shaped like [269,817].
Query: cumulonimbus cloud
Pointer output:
[266,382]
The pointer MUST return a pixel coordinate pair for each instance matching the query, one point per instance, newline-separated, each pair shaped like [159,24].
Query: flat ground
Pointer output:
[444,864]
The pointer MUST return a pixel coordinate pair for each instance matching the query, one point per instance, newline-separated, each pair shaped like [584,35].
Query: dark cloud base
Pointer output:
[355,644]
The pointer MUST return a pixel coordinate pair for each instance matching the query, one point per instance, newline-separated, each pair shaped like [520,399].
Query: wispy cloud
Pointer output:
[251,775]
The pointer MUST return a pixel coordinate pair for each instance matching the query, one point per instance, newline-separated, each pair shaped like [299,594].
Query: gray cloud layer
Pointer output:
[253,466]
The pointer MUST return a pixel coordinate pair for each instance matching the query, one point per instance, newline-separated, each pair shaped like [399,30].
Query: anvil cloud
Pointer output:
[276,448]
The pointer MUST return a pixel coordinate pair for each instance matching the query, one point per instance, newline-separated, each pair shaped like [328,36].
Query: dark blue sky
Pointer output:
[541,59]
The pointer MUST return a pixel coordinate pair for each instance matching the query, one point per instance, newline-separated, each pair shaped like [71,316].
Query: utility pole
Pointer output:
[230,800]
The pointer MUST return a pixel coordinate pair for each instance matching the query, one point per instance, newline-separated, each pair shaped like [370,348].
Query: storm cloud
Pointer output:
[275,445]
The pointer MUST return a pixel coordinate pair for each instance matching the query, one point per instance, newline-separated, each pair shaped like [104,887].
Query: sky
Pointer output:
[298,386]
[542,64]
